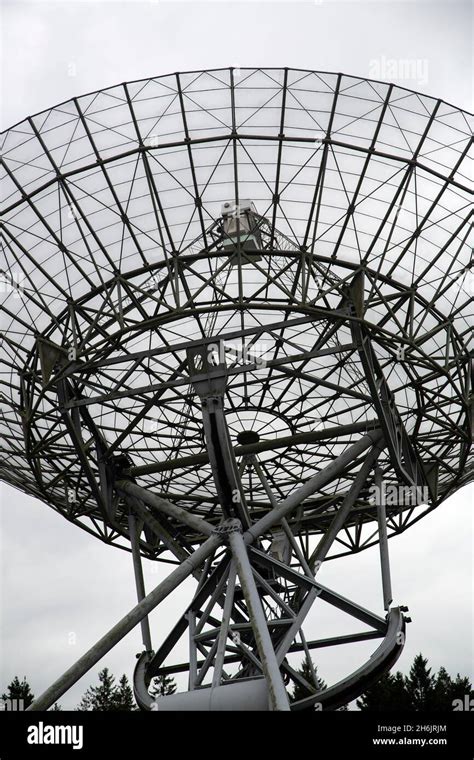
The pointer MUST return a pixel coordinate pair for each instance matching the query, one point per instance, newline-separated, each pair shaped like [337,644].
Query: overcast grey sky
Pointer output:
[62,589]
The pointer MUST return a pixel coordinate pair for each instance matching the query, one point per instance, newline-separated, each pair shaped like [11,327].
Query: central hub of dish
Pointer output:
[251,426]
[246,437]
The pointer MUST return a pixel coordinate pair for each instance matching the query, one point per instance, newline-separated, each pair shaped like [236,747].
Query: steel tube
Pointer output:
[284,523]
[319,480]
[383,541]
[191,616]
[160,532]
[296,624]
[196,523]
[139,580]
[327,540]
[276,689]
[224,630]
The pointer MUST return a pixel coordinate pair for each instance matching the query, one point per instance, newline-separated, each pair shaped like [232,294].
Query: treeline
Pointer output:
[420,690]
[106,695]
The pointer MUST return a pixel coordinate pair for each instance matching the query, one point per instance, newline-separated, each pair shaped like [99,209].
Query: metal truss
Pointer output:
[253,595]
[235,306]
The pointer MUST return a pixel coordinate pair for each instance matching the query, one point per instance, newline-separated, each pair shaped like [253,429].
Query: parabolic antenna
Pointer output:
[236,336]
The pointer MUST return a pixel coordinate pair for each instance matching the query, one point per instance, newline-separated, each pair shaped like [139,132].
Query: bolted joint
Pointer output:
[119,466]
[224,529]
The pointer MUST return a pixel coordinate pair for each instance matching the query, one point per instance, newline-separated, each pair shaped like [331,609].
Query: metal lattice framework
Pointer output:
[252,282]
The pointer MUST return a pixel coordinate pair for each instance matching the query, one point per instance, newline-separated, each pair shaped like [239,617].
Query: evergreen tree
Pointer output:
[388,693]
[400,699]
[162,686]
[446,690]
[420,690]
[124,700]
[102,697]
[316,683]
[460,688]
[420,685]
[19,690]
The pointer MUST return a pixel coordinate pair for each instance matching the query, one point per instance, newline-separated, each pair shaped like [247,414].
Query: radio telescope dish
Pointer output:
[237,311]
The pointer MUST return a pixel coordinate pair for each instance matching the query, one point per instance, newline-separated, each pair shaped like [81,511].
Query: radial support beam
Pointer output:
[125,625]
[403,454]
[276,688]
[139,580]
[300,439]
[383,541]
